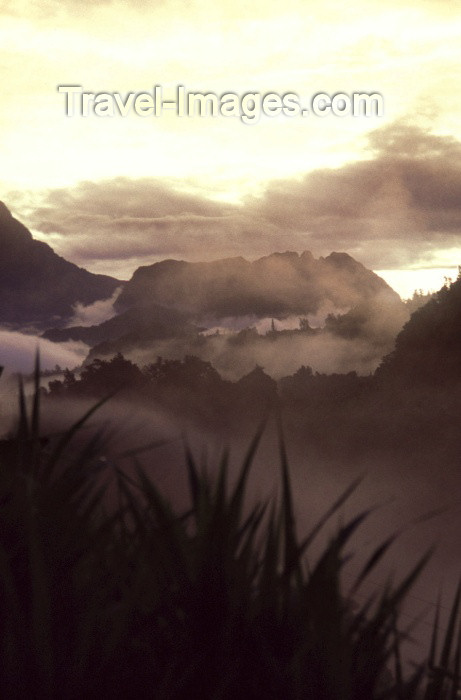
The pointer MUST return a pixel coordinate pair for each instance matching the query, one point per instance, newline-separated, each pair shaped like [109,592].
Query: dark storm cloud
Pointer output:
[399,207]
[147,219]
[405,201]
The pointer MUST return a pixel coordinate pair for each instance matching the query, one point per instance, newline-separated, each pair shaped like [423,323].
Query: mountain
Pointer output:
[173,300]
[37,286]
[150,322]
[278,285]
[428,348]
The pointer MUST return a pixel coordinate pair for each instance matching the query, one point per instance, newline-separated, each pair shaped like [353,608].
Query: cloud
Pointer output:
[48,8]
[399,208]
[234,356]
[17,352]
[94,314]
[131,222]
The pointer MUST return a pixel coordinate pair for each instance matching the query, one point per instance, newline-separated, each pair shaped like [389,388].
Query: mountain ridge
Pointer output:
[38,287]
[176,298]
[275,285]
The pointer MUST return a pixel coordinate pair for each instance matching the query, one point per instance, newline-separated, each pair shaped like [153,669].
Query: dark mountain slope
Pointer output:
[37,286]
[428,349]
[148,322]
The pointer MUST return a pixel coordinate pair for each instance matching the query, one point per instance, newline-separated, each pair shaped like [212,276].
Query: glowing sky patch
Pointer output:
[409,52]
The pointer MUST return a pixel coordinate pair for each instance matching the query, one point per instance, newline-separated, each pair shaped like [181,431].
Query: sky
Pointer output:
[111,193]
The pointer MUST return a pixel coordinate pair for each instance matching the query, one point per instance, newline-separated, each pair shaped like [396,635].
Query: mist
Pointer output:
[346,342]
[94,314]
[403,486]
[324,353]
[398,492]
[17,352]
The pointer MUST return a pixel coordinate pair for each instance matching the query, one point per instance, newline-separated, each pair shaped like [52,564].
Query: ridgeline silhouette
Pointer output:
[37,286]
[428,348]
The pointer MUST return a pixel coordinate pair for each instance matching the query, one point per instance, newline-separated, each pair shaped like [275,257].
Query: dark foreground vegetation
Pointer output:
[124,597]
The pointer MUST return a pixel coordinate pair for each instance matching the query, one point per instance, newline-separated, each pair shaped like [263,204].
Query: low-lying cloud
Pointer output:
[94,314]
[17,353]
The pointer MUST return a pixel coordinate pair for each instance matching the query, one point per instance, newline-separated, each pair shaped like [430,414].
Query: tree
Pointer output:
[102,376]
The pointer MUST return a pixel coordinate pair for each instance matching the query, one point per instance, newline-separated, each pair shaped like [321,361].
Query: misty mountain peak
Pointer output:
[342,260]
[5,213]
[277,285]
[286,255]
[306,257]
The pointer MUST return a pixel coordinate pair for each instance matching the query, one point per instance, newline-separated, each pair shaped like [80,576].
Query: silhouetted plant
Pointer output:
[132,599]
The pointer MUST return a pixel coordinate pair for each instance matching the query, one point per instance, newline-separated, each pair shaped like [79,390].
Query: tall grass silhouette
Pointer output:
[138,600]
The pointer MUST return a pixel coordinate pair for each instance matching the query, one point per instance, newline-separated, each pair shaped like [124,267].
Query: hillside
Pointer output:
[173,300]
[428,348]
[151,322]
[277,285]
[37,286]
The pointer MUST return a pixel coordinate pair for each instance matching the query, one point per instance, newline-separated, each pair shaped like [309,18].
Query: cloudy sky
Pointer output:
[112,193]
